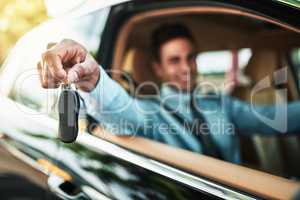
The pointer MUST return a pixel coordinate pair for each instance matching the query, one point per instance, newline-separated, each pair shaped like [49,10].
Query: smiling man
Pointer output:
[179,117]
[174,54]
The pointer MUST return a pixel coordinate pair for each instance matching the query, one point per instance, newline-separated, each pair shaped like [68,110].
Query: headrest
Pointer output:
[137,63]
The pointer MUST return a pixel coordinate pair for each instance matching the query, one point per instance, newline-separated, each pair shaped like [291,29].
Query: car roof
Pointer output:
[55,8]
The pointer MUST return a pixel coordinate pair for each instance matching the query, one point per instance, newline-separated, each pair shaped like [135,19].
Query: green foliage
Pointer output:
[16,18]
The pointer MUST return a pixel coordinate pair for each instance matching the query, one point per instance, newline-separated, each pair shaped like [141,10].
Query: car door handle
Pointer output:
[65,189]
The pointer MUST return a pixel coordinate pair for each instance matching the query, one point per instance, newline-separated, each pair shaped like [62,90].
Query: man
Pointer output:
[201,124]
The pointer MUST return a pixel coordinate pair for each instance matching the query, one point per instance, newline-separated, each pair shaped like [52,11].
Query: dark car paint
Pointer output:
[32,141]
[101,170]
[20,181]
[87,167]
[120,179]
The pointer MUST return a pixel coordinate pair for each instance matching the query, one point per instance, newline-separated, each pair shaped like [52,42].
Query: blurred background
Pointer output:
[16,18]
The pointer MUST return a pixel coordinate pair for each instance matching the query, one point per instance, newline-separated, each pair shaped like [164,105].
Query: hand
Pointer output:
[68,62]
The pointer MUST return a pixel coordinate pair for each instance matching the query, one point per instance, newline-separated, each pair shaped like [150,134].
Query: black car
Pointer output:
[261,36]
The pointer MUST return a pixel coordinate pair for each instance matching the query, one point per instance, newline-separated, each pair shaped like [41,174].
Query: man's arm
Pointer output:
[106,100]
[266,120]
[116,110]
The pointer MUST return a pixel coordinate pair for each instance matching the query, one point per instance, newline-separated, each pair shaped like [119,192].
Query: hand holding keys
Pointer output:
[64,63]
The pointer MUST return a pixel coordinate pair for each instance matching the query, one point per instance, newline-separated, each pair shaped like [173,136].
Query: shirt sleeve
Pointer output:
[115,109]
[266,120]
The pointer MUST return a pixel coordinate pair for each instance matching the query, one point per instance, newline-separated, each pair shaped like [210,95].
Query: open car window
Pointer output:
[240,55]
[220,71]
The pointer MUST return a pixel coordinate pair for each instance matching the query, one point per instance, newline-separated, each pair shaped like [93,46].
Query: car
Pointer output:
[241,41]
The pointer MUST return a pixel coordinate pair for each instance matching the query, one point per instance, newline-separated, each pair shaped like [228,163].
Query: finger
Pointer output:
[47,81]
[78,60]
[76,73]
[40,71]
[54,64]
[51,44]
[85,85]
[71,51]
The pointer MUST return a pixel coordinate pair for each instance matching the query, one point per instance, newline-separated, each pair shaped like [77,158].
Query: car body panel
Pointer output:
[20,180]
[122,174]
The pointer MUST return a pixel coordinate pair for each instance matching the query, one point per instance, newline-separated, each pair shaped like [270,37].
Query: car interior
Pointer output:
[270,45]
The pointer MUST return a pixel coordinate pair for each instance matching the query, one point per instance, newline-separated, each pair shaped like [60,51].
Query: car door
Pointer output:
[29,136]
[116,169]
[102,168]
[29,116]
[110,54]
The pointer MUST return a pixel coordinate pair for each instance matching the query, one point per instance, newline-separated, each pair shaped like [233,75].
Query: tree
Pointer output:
[16,18]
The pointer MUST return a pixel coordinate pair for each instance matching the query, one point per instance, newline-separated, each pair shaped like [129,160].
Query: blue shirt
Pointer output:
[226,116]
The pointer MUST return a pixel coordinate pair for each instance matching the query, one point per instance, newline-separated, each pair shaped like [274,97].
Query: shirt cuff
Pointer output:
[101,96]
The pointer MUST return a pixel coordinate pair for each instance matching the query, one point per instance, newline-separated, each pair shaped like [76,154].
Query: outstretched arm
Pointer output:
[266,120]
[116,110]
[106,100]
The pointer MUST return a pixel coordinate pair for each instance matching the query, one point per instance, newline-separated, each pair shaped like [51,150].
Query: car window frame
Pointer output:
[109,61]
[104,144]
[136,150]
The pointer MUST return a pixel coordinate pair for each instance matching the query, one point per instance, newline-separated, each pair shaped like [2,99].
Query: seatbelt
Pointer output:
[202,132]
[203,136]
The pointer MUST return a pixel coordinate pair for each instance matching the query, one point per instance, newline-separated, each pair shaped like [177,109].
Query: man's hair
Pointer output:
[165,33]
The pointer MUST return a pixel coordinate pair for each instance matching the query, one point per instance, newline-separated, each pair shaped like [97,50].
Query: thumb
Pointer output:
[81,70]
[76,73]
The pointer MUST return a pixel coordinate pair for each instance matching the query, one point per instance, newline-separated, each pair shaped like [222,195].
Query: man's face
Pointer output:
[177,64]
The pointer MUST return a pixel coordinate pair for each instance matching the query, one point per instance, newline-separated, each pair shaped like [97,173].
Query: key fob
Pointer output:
[68,107]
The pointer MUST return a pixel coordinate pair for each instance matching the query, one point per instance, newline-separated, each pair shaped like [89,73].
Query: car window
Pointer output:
[236,55]
[295,58]
[217,69]
[26,88]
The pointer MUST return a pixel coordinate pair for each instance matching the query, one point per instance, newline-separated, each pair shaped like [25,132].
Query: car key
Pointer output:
[68,106]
